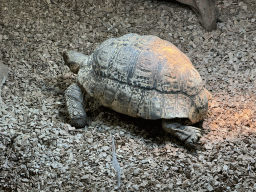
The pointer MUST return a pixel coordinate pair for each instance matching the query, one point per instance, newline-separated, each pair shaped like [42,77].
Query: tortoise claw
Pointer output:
[189,134]
[194,136]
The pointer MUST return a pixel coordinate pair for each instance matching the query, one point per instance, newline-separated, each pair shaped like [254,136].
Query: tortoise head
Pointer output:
[74,60]
[207,14]
[206,11]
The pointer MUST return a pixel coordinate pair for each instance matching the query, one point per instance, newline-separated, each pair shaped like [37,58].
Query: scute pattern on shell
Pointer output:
[147,62]
[144,76]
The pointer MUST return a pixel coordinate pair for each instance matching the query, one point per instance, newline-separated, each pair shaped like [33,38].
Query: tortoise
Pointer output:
[140,76]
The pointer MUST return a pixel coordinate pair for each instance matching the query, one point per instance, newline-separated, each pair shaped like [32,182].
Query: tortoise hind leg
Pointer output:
[186,133]
[74,101]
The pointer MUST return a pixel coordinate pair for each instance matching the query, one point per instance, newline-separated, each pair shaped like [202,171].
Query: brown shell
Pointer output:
[144,76]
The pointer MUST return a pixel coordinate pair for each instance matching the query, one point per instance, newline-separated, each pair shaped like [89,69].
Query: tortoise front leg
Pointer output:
[186,133]
[74,101]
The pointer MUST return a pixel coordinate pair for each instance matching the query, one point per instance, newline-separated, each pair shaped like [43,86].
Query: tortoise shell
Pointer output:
[144,76]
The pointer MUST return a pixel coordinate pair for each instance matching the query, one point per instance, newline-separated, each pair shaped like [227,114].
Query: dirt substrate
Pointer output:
[40,151]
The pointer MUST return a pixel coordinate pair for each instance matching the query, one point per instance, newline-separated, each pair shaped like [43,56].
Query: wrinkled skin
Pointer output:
[206,11]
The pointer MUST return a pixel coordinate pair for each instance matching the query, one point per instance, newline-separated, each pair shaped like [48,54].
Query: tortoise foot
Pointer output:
[189,134]
[75,107]
[193,135]
[79,123]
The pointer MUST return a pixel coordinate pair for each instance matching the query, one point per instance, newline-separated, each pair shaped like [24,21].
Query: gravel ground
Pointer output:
[40,151]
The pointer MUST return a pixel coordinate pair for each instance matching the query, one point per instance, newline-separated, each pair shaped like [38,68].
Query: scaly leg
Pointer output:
[74,100]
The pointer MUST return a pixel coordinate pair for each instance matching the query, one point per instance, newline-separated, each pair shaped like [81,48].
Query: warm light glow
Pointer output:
[243,117]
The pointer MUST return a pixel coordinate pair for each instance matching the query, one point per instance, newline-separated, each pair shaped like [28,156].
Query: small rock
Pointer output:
[71,157]
[170,186]
[25,180]
[109,158]
[136,172]
[5,37]
[54,165]
[225,168]
[253,146]
[144,161]
[85,177]
[153,165]
[105,148]
[136,187]
[2,147]
[209,187]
